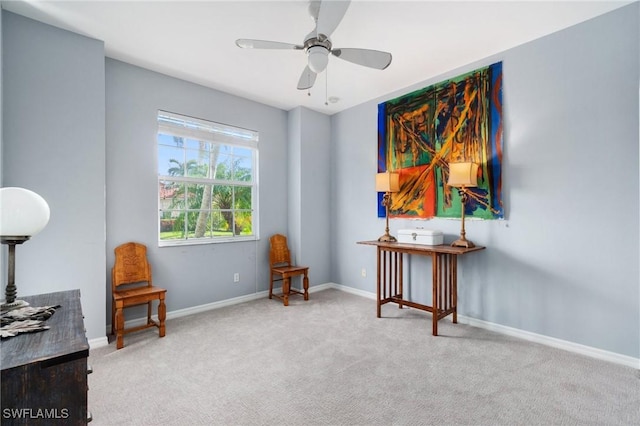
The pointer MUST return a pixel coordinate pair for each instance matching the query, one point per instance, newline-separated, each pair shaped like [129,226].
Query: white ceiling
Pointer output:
[195,40]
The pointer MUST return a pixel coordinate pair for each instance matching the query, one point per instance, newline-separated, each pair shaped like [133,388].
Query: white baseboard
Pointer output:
[320,287]
[200,308]
[553,342]
[502,329]
[99,342]
[196,309]
[525,335]
[357,292]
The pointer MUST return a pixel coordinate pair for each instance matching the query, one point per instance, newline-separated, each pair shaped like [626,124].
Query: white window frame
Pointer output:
[195,129]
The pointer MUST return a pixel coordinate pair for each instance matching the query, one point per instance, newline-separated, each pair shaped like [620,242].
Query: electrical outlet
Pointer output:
[364,272]
[236,277]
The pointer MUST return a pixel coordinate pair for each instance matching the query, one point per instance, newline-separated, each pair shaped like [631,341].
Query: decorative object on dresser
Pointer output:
[387,182]
[44,375]
[280,265]
[132,285]
[27,319]
[463,176]
[23,214]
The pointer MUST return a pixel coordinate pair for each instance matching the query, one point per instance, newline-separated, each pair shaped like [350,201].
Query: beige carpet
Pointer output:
[330,361]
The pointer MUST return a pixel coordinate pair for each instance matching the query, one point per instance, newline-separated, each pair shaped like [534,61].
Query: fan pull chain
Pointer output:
[326,86]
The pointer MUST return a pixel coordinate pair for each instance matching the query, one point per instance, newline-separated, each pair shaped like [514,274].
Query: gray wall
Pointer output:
[309,192]
[2,258]
[198,274]
[564,263]
[294,188]
[53,143]
[315,205]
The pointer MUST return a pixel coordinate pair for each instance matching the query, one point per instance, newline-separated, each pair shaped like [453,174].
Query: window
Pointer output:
[207,181]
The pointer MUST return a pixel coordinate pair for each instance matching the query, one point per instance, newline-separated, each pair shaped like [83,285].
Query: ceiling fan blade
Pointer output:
[247,43]
[307,79]
[330,15]
[366,57]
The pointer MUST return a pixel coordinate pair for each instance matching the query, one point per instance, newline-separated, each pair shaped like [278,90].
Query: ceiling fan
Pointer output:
[317,44]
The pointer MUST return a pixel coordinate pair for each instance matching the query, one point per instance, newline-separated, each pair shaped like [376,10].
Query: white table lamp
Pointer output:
[387,182]
[463,176]
[23,214]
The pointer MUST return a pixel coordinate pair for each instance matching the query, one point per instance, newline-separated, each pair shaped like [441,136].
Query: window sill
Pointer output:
[198,242]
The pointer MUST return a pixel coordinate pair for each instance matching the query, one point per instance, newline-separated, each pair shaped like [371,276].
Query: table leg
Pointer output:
[454,285]
[399,276]
[378,292]
[435,273]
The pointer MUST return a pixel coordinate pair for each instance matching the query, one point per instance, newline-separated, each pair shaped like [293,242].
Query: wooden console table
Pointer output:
[444,277]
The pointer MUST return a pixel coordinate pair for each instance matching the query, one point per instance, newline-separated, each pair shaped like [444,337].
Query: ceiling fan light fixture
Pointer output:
[317,45]
[318,58]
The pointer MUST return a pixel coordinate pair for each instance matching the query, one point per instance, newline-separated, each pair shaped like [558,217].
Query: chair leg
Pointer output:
[113,316]
[286,283]
[119,320]
[162,315]
[149,313]
[271,285]
[305,285]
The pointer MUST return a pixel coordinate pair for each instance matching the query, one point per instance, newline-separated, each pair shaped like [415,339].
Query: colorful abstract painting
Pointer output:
[419,134]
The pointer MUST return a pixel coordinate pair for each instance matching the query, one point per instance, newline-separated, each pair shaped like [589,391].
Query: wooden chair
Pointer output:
[132,285]
[280,265]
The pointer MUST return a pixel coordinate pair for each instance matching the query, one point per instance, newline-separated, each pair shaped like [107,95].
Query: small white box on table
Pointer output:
[427,237]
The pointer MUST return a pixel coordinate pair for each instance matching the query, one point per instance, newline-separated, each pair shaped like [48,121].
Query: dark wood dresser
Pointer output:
[44,374]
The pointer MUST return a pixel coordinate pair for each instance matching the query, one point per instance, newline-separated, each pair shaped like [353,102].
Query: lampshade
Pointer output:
[318,58]
[463,174]
[387,182]
[23,213]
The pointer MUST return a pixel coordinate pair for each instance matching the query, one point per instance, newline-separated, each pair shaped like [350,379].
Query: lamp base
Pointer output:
[386,238]
[462,242]
[13,305]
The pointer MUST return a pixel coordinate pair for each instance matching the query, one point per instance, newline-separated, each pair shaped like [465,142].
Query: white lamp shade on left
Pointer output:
[23,213]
